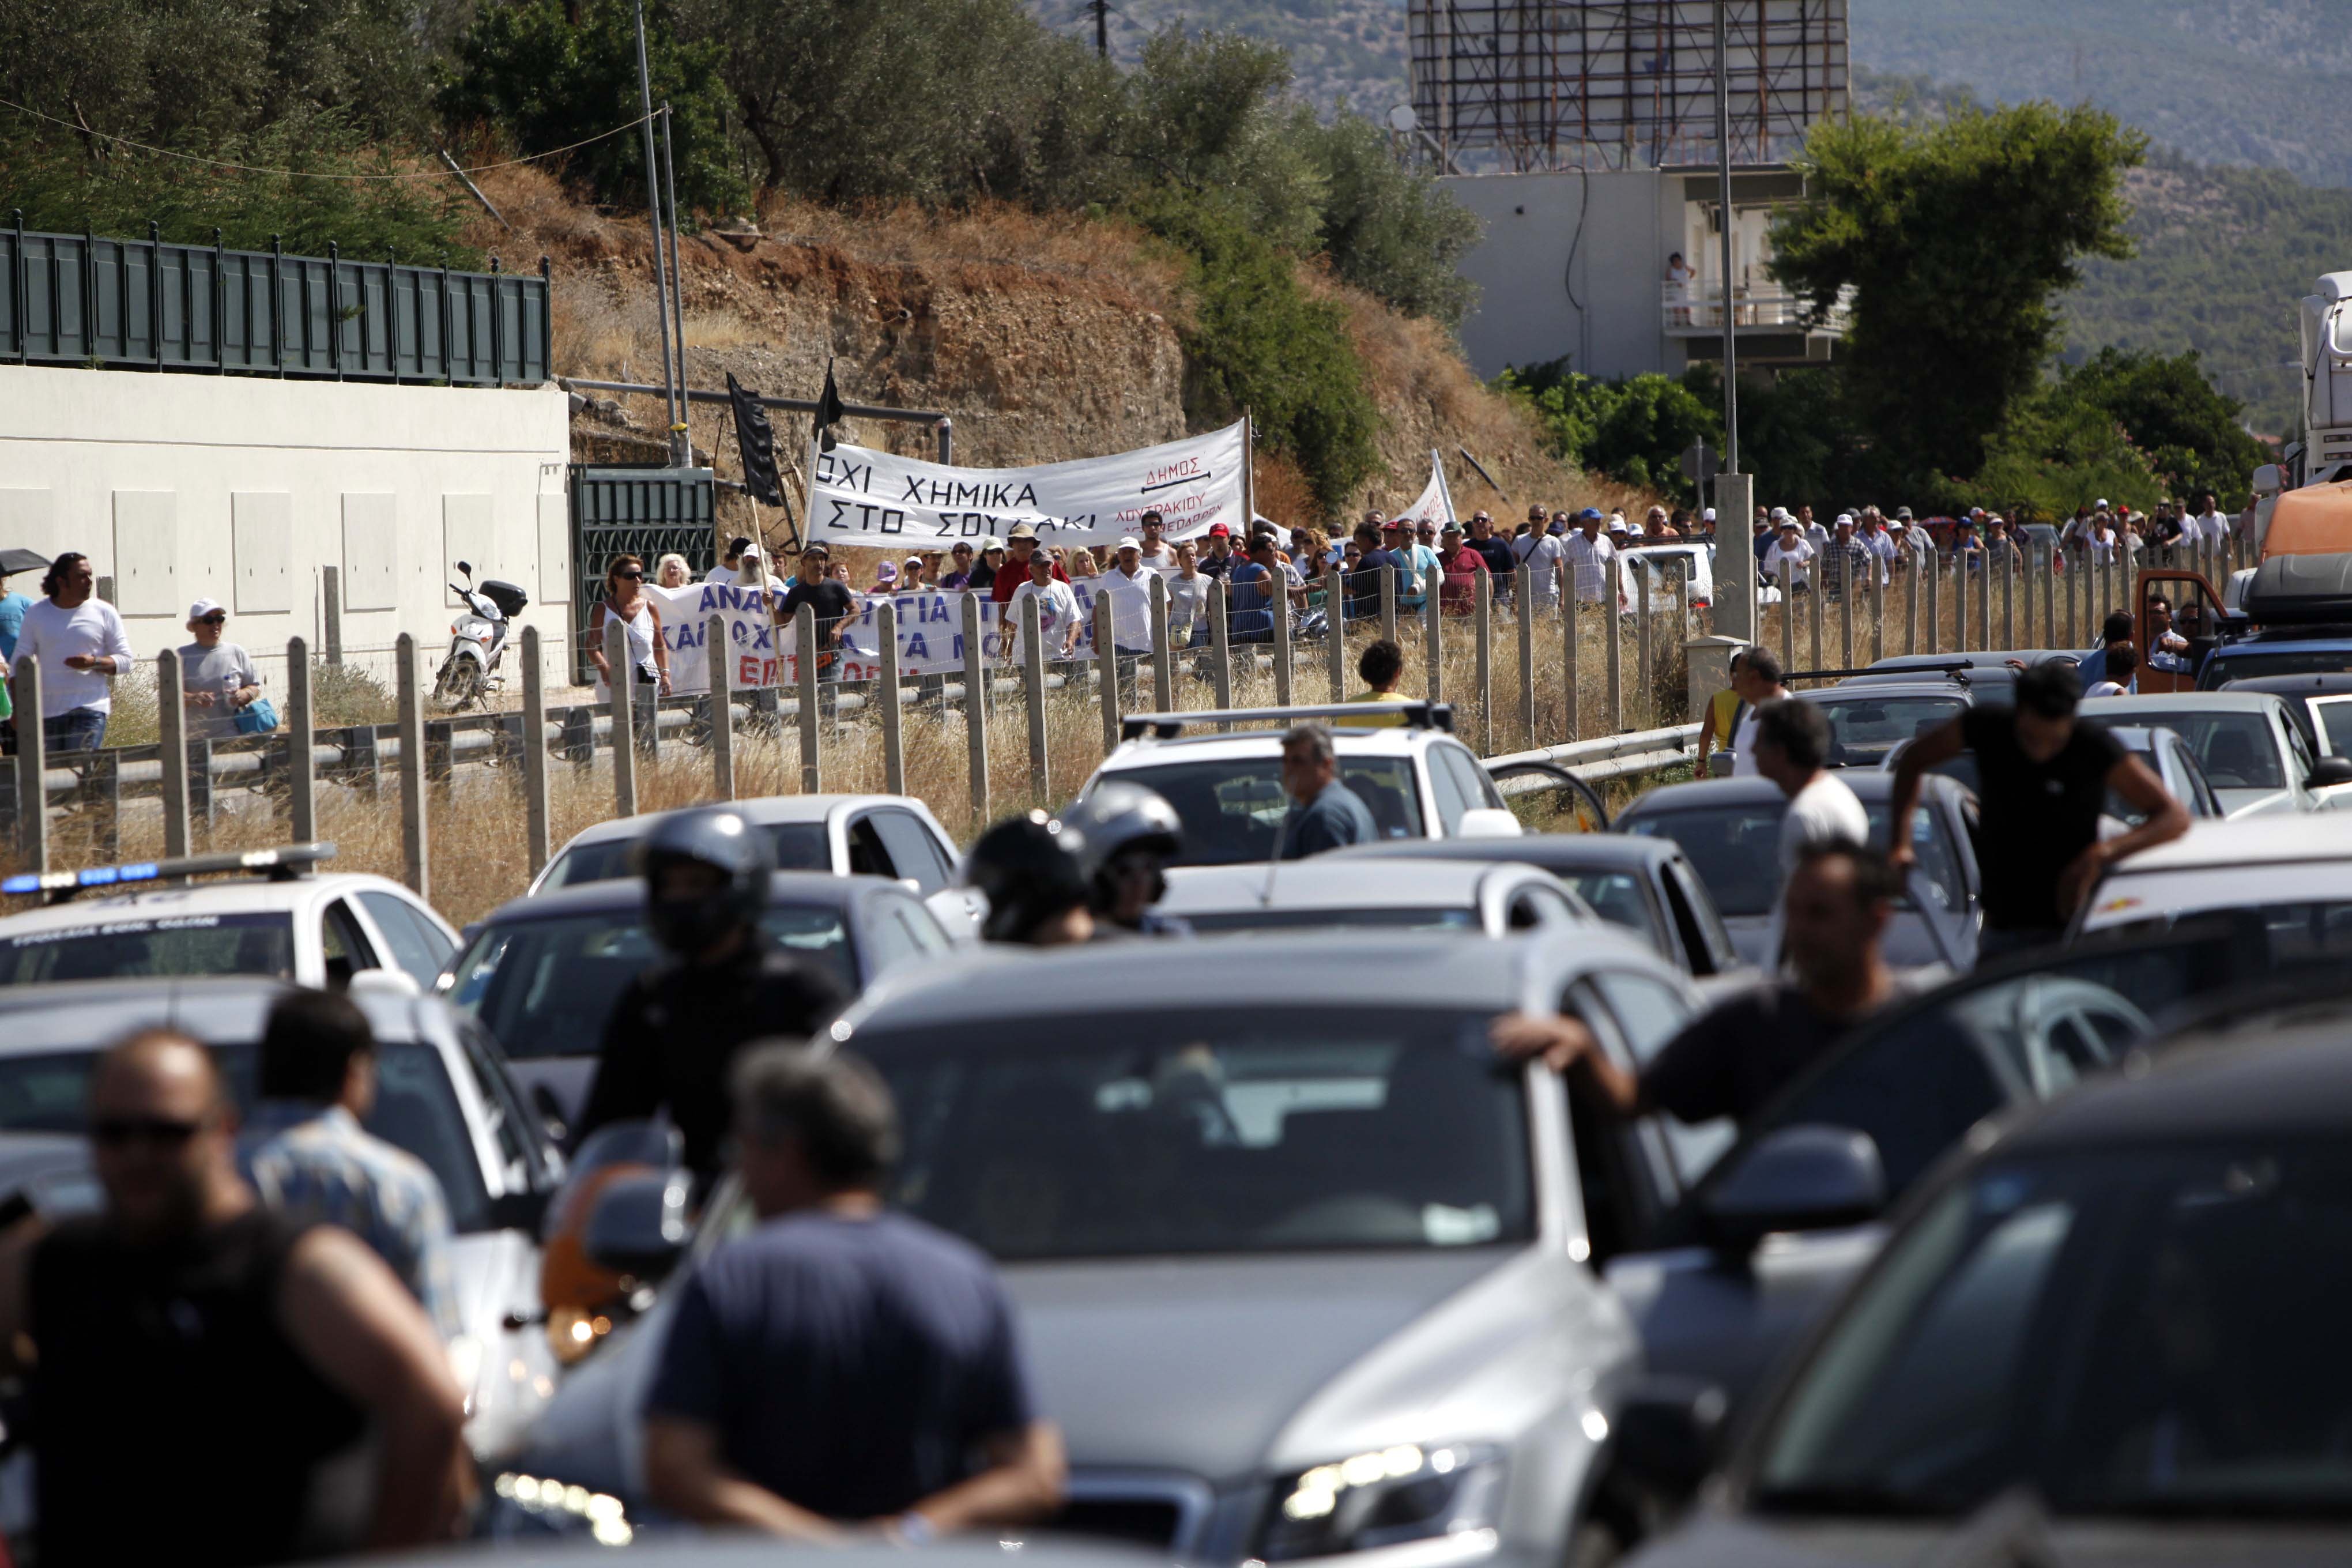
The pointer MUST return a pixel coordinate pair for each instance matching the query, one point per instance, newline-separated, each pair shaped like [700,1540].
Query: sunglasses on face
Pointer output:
[630,576]
[118,1132]
[213,621]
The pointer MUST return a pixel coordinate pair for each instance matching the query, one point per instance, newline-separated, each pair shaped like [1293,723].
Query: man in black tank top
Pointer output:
[198,1356]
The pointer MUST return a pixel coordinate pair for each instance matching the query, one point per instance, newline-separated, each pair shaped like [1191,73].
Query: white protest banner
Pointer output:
[886,501]
[1435,502]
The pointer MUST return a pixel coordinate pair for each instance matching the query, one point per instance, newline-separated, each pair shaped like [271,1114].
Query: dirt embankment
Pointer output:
[1045,337]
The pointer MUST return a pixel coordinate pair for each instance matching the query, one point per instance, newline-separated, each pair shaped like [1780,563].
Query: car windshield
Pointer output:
[415,1108]
[1253,919]
[2120,1330]
[1735,849]
[253,943]
[1202,1129]
[800,846]
[1863,729]
[1232,809]
[544,987]
[2236,750]
[2223,669]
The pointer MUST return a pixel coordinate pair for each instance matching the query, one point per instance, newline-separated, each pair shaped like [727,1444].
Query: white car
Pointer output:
[1485,895]
[2294,873]
[893,835]
[2247,743]
[1416,778]
[314,929]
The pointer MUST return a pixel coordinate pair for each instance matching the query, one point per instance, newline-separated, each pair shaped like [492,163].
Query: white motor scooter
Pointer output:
[476,640]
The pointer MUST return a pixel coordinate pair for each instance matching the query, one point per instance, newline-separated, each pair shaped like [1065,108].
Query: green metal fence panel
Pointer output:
[645,511]
[148,304]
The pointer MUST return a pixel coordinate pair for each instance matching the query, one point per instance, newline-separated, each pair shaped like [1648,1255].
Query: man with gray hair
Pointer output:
[1327,814]
[842,1368]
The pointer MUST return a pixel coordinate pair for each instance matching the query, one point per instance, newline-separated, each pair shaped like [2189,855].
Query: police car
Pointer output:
[272,915]
[1414,777]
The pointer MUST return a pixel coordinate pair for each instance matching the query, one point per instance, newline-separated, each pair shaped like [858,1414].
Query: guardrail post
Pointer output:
[1278,597]
[1033,683]
[1163,652]
[537,830]
[415,842]
[1389,602]
[886,691]
[1433,646]
[715,658]
[622,684]
[1570,623]
[1221,645]
[1482,606]
[1814,583]
[1106,657]
[805,646]
[1613,607]
[1788,614]
[331,613]
[1335,630]
[32,766]
[301,745]
[1523,597]
[975,700]
[1875,572]
[172,728]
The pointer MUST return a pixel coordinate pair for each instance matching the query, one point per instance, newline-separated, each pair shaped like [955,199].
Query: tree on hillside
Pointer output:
[2192,431]
[1958,237]
[1633,430]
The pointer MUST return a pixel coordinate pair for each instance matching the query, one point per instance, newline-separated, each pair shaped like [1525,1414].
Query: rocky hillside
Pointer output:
[1044,338]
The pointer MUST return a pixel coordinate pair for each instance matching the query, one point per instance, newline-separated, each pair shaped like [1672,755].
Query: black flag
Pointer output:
[756,442]
[828,410]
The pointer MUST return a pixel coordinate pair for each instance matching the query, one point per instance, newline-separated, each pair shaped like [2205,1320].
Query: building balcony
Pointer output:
[1696,310]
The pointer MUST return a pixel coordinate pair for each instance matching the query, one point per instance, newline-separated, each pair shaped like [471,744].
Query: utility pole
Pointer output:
[1101,8]
[1723,169]
[673,405]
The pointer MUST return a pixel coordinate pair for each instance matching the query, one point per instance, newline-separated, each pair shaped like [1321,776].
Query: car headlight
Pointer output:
[1386,1498]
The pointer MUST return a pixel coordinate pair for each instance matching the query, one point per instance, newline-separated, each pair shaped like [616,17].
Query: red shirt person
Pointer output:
[1021,542]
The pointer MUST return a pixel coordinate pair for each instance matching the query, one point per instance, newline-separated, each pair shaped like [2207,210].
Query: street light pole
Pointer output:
[1723,169]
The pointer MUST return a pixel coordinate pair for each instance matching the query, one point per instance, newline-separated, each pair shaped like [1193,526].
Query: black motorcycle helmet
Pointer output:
[1030,870]
[1117,818]
[723,839]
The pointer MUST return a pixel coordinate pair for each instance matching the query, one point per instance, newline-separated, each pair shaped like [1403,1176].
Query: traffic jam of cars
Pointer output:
[1761,1177]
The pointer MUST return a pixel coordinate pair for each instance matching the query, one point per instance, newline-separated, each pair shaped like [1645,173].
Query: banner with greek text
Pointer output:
[886,501]
[1435,502]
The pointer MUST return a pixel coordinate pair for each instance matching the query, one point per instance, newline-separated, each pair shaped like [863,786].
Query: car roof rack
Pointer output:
[1417,715]
[282,864]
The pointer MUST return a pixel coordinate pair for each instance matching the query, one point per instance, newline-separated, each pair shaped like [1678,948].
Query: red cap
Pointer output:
[1219,531]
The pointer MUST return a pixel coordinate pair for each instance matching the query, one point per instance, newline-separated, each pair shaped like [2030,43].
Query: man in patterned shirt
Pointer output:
[306,1153]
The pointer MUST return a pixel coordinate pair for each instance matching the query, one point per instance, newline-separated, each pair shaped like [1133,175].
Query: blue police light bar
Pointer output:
[286,860]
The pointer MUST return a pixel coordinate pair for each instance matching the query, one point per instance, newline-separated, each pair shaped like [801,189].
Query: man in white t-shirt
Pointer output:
[1792,741]
[1758,681]
[1128,583]
[1540,554]
[1590,553]
[1057,611]
[82,647]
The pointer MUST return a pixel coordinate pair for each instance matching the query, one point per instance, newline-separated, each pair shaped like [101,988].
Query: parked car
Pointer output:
[273,915]
[2110,1335]
[1416,778]
[1490,898]
[541,974]
[1730,829]
[1264,1214]
[2246,744]
[2288,877]
[2167,756]
[442,1093]
[1870,720]
[2320,705]
[893,835]
[1642,884]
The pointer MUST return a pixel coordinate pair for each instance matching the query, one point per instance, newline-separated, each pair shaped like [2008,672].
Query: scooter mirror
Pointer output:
[467,567]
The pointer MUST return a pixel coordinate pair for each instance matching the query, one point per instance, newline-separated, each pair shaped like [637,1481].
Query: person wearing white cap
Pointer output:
[1127,581]
[80,640]
[218,678]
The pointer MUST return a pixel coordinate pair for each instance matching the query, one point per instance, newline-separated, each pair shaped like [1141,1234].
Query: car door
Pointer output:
[1698,929]
[1625,1169]
[869,855]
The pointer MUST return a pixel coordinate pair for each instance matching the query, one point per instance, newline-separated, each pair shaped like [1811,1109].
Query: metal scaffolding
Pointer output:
[1516,86]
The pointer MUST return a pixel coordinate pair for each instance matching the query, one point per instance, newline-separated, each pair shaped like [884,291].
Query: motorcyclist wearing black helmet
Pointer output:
[1126,835]
[1031,869]
[673,1032]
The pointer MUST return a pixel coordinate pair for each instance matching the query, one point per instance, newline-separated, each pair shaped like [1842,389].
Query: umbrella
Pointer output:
[14,561]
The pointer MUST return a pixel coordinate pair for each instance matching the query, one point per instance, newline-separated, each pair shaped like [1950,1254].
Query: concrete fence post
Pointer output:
[1221,645]
[1482,607]
[1911,611]
[1163,650]
[805,652]
[538,828]
[1960,603]
[1813,614]
[1875,573]
[2026,587]
[1788,616]
[1984,602]
[1335,630]
[1389,602]
[1612,610]
[1278,597]
[885,692]
[1570,623]
[1644,670]
[330,612]
[172,728]
[623,685]
[1032,682]
[1107,669]
[975,707]
[301,745]
[415,843]
[1845,609]
[32,766]
[1523,597]
[721,665]
[1433,647]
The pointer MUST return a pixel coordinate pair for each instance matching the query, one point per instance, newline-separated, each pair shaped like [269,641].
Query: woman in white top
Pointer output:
[672,572]
[1188,597]
[625,601]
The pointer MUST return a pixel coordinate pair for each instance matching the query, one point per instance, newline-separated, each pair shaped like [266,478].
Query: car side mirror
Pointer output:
[1488,822]
[1668,1432]
[1798,1178]
[638,1226]
[2328,771]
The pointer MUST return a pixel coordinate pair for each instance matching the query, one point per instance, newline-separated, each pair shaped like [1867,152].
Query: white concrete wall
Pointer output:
[1632,220]
[241,489]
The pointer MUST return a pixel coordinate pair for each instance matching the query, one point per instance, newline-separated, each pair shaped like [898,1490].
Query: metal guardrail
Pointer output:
[1609,757]
[149,304]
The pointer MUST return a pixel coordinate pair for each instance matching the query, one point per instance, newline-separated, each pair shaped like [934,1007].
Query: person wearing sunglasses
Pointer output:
[197,1358]
[217,678]
[625,601]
